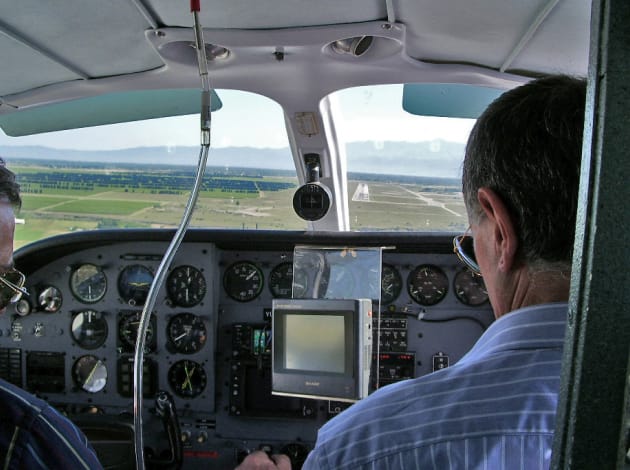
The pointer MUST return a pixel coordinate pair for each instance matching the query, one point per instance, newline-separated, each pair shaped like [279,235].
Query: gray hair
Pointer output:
[527,148]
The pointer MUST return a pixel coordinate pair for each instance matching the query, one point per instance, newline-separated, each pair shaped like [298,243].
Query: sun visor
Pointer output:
[111,108]
[447,100]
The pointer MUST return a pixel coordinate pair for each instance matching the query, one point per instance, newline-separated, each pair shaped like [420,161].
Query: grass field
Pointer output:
[49,211]
[100,206]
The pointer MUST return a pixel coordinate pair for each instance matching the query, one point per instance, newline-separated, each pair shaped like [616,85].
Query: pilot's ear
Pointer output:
[502,228]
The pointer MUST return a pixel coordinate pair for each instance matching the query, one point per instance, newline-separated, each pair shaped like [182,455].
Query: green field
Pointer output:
[101,206]
[31,202]
[53,208]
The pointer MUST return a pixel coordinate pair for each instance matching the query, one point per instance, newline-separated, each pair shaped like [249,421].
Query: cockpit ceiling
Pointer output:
[85,45]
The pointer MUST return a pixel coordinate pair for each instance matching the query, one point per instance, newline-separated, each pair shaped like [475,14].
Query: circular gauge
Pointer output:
[90,373]
[187,378]
[243,281]
[89,329]
[50,299]
[88,283]
[312,201]
[128,326]
[341,283]
[427,284]
[187,333]
[134,283]
[283,282]
[391,284]
[470,288]
[186,286]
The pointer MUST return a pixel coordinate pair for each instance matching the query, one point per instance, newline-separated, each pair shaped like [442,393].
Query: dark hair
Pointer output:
[9,188]
[527,147]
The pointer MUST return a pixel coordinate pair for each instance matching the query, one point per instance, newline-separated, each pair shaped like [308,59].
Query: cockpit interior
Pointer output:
[184,168]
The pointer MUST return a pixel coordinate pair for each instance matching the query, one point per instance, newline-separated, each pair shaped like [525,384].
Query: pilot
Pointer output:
[496,407]
[33,435]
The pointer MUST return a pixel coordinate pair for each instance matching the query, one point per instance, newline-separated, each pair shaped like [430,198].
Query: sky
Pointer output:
[248,120]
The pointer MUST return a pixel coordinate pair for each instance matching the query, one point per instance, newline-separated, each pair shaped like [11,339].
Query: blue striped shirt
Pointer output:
[33,435]
[494,409]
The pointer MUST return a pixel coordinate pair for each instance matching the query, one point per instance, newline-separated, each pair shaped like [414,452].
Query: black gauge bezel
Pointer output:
[90,341]
[312,201]
[435,293]
[130,294]
[175,286]
[397,283]
[78,372]
[197,330]
[95,281]
[196,377]
[127,336]
[280,275]
[466,278]
[252,286]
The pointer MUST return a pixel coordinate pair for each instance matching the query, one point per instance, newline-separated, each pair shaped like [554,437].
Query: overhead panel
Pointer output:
[101,38]
[245,14]
[28,75]
[459,31]
[555,48]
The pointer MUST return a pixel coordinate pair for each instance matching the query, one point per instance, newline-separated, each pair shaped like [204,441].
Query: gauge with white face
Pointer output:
[89,329]
[90,373]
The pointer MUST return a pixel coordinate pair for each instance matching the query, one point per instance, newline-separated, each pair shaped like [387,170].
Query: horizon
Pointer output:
[250,120]
[436,158]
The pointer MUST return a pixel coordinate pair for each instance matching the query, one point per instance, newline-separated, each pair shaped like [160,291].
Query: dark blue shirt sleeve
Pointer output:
[33,435]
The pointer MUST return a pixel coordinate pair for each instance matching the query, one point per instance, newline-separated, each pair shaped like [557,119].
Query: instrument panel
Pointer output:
[208,339]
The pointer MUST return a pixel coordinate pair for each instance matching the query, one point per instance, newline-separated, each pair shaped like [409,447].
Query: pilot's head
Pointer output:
[9,189]
[10,200]
[520,184]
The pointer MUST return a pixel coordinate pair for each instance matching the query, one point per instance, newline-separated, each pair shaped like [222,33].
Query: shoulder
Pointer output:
[384,421]
[18,406]
[506,385]
[33,432]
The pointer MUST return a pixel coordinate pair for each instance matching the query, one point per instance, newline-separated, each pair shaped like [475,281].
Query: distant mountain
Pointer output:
[229,156]
[435,158]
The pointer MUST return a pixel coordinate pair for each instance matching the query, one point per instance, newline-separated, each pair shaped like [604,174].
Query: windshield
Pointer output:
[139,174]
[403,170]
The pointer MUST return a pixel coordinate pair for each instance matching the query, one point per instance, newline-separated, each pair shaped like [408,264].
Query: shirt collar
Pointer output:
[536,327]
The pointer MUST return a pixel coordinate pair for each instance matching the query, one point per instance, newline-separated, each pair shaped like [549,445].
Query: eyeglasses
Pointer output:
[11,287]
[463,247]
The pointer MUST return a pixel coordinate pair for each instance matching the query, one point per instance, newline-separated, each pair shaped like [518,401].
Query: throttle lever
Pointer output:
[165,409]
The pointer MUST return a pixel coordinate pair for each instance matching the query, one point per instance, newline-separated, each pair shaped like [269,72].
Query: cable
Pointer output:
[177,239]
[425,317]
